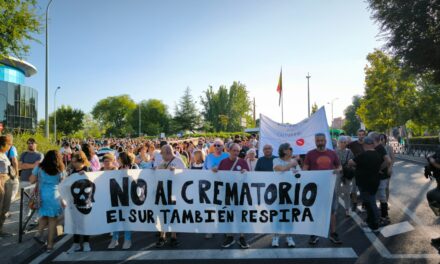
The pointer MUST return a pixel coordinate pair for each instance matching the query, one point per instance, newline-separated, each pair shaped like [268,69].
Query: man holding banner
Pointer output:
[233,163]
[322,158]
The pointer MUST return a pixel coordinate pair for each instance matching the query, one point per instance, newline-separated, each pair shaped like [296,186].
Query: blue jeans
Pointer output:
[372,211]
[127,235]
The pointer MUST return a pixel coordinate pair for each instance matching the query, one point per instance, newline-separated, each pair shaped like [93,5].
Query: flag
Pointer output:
[280,86]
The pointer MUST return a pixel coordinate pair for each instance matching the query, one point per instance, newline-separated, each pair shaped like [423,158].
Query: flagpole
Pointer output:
[282,106]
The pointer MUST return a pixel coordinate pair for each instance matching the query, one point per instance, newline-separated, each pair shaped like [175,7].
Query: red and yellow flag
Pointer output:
[280,86]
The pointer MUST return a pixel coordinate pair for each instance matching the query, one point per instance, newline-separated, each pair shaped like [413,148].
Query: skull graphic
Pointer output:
[83,195]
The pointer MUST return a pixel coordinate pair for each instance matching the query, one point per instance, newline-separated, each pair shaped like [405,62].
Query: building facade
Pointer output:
[18,103]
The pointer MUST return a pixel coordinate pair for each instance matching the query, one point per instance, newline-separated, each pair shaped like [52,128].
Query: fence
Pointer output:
[415,150]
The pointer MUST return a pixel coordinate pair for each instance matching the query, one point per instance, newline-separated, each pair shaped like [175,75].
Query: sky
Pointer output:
[155,49]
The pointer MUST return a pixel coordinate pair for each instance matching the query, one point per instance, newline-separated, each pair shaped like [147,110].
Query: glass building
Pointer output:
[18,103]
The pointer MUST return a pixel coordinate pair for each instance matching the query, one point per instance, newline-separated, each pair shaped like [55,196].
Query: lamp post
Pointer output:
[46,131]
[332,101]
[308,94]
[55,113]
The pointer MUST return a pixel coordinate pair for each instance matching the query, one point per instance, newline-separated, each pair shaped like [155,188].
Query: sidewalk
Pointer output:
[10,250]
[409,158]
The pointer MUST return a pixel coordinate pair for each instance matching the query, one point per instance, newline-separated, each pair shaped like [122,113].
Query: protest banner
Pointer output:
[196,201]
[301,136]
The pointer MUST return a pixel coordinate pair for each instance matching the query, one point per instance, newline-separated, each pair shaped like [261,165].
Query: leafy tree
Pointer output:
[225,108]
[412,30]
[154,118]
[18,24]
[426,112]
[352,123]
[91,127]
[113,114]
[389,93]
[314,108]
[69,120]
[187,116]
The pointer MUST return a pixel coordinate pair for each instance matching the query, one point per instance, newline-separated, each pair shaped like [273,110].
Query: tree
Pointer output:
[352,123]
[427,109]
[18,24]
[389,93]
[412,31]
[69,120]
[314,108]
[186,113]
[113,114]
[91,127]
[225,108]
[154,118]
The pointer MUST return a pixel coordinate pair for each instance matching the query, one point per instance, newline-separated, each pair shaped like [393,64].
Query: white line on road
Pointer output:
[57,245]
[261,253]
[396,229]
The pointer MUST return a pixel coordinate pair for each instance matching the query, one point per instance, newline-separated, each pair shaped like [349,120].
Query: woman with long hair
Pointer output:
[48,175]
[88,149]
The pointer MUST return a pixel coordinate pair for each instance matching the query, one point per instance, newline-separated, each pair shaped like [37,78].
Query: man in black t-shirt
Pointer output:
[368,165]
[357,147]
[384,174]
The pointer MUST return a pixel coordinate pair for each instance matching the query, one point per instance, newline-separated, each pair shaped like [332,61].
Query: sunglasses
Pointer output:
[218,146]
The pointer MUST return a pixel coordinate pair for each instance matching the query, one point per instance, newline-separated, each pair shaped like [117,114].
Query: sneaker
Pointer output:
[275,241]
[243,244]
[114,243]
[127,244]
[161,242]
[229,241]
[435,241]
[335,239]
[86,247]
[313,240]
[209,236]
[290,242]
[384,221]
[174,242]
[74,248]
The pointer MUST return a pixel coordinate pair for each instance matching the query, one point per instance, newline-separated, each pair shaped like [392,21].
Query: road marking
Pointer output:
[57,245]
[380,247]
[261,253]
[396,229]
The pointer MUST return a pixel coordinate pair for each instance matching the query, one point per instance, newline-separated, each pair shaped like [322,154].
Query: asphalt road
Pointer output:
[406,240]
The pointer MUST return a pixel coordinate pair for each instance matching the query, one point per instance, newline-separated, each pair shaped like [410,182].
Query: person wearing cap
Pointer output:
[368,165]
[28,161]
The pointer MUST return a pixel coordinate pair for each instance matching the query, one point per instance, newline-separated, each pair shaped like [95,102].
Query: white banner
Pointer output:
[301,136]
[196,201]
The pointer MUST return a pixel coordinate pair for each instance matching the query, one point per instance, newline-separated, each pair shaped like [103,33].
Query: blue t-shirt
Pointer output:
[213,161]
[12,153]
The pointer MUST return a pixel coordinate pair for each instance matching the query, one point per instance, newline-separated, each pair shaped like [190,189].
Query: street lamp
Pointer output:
[334,99]
[46,131]
[140,119]
[55,113]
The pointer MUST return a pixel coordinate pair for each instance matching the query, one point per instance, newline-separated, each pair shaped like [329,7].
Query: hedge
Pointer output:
[430,140]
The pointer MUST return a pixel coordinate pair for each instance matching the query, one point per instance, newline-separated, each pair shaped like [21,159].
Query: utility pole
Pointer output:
[55,114]
[46,131]
[308,94]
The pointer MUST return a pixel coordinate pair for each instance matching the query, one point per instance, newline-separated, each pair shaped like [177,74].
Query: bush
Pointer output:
[43,144]
[431,140]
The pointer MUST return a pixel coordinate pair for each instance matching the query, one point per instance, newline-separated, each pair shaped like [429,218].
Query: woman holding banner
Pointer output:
[285,162]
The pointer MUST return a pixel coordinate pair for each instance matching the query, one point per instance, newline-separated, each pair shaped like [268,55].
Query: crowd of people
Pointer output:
[362,168]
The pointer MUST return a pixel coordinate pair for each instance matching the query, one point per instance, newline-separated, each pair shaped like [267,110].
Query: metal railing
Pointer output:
[25,212]
[415,150]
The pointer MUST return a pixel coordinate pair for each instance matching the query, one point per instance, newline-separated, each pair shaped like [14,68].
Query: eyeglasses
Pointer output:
[31,143]
[218,146]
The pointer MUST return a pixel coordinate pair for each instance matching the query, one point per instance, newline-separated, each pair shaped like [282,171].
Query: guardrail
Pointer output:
[415,150]
[25,213]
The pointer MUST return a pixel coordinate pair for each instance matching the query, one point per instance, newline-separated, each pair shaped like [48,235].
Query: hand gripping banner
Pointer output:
[194,201]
